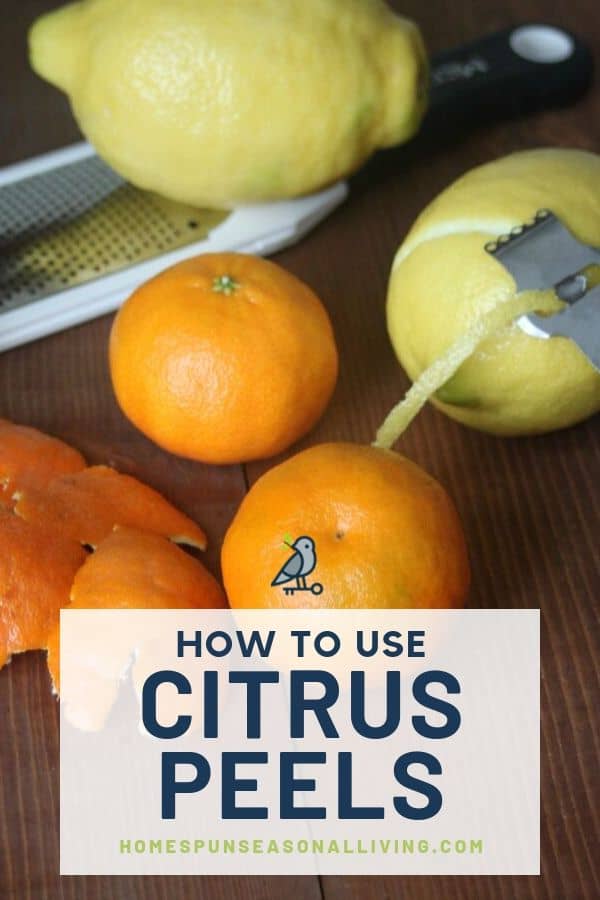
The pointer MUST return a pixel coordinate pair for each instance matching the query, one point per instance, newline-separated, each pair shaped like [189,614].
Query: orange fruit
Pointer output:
[29,458]
[37,567]
[85,507]
[385,535]
[134,569]
[223,358]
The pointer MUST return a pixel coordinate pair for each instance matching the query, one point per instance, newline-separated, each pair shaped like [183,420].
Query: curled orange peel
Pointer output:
[31,459]
[133,569]
[85,506]
[51,508]
[37,567]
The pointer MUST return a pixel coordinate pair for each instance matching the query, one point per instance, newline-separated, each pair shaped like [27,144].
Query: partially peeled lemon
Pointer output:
[453,308]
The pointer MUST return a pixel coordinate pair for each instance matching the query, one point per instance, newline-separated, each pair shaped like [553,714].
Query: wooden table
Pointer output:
[530,507]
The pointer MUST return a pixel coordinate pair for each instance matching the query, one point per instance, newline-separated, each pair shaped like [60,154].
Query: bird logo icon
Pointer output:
[300,564]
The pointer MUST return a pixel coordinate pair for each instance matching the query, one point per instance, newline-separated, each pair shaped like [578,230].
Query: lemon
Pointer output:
[219,104]
[443,281]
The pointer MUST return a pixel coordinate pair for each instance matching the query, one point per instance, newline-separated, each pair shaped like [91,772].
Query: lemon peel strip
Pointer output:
[446,365]
[449,228]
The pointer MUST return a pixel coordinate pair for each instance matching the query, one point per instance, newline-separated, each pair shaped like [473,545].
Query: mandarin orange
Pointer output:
[223,358]
[367,527]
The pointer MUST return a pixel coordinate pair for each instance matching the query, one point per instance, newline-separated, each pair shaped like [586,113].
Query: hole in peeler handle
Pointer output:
[541,44]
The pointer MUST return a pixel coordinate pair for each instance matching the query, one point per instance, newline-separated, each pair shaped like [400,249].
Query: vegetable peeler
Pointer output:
[545,255]
[76,240]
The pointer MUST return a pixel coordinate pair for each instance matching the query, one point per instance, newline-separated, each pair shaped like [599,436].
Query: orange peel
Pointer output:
[31,459]
[37,567]
[133,569]
[85,506]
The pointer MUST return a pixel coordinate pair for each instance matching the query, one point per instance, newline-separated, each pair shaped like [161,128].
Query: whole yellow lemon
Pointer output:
[443,278]
[219,104]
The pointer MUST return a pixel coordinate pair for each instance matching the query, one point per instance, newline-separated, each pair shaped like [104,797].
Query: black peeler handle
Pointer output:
[513,72]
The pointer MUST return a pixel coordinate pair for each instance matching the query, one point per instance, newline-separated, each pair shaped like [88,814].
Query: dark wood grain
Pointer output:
[530,507]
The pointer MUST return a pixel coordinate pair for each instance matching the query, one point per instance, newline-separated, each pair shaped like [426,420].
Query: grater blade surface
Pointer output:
[543,254]
[580,322]
[80,221]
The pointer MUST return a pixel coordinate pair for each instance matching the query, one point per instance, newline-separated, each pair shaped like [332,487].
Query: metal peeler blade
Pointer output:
[545,255]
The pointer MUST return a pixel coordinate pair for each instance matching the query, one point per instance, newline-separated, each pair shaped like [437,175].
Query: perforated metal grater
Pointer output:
[76,239]
[544,255]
